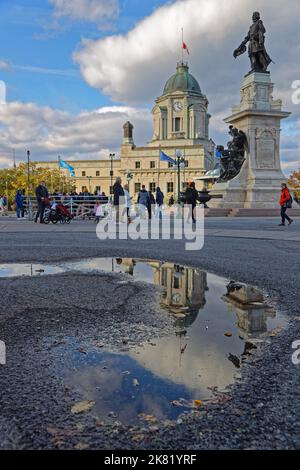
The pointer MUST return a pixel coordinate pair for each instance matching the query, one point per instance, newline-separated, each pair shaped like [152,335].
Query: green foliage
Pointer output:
[13,179]
[294,181]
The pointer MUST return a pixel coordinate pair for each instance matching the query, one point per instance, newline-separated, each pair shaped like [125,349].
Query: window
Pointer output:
[177,124]
[83,173]
[152,187]
[170,187]
[111,190]
[137,187]
[152,165]
[170,165]
[98,188]
[137,165]
[184,186]
[186,163]
[97,173]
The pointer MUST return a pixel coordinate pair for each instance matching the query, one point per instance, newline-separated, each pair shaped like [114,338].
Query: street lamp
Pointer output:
[111,156]
[180,163]
[28,185]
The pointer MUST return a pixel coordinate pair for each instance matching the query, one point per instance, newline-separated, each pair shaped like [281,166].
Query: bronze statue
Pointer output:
[233,158]
[260,59]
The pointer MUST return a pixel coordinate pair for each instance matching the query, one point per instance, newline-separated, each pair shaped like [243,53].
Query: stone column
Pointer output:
[259,116]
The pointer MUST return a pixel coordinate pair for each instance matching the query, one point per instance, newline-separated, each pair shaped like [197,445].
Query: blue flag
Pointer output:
[68,167]
[165,158]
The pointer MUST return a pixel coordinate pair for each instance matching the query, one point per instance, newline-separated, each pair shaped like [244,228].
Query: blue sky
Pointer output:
[76,70]
[29,38]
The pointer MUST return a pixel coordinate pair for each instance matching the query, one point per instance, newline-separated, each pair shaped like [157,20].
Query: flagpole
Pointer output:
[182,45]
[158,166]
[59,172]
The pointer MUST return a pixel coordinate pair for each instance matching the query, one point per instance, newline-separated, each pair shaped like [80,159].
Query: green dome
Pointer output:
[182,80]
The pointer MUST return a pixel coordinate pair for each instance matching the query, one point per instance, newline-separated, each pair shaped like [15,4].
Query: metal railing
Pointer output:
[81,207]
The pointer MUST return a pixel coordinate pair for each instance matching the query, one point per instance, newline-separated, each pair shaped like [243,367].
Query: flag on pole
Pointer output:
[66,166]
[184,47]
[165,158]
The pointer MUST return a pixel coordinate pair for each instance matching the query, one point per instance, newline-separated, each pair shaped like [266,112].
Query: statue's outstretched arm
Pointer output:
[242,48]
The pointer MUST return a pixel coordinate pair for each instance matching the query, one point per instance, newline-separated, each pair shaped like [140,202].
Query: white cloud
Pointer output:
[4,65]
[48,132]
[86,10]
[133,67]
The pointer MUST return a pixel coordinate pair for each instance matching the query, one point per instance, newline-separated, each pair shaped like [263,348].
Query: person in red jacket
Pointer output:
[285,203]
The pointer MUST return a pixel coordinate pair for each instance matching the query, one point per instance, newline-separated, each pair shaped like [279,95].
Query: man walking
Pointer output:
[42,197]
[285,203]
[143,200]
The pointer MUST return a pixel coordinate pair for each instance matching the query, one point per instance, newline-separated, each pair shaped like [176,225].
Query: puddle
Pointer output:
[22,270]
[213,334]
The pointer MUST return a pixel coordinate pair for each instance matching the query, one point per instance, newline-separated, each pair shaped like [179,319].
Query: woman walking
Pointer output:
[285,203]
[128,200]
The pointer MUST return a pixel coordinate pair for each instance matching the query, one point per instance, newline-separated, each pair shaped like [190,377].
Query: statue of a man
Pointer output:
[260,59]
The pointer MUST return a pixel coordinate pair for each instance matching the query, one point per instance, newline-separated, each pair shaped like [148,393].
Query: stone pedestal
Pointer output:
[259,116]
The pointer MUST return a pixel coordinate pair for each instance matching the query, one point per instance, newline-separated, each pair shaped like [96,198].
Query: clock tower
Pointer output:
[181,112]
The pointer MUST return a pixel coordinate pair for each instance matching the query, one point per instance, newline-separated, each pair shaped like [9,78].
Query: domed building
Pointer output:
[180,122]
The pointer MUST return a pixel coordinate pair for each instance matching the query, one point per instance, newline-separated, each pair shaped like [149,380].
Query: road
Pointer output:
[264,412]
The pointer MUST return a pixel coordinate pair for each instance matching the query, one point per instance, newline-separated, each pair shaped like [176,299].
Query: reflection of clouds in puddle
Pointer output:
[19,270]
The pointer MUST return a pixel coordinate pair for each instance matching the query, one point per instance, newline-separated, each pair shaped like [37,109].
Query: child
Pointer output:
[98,212]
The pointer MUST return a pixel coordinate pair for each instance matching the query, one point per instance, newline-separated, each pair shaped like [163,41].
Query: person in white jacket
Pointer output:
[128,202]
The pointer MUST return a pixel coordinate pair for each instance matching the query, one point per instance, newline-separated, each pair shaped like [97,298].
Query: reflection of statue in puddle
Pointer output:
[251,311]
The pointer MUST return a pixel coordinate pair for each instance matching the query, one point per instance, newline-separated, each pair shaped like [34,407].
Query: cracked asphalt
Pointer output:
[37,313]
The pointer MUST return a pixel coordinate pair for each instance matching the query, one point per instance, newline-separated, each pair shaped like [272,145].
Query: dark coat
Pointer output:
[118,192]
[159,198]
[19,200]
[41,192]
[191,196]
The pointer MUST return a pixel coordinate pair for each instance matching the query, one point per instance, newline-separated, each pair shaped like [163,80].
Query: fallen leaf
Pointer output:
[228,335]
[135,383]
[81,446]
[176,403]
[138,438]
[148,418]
[198,402]
[82,406]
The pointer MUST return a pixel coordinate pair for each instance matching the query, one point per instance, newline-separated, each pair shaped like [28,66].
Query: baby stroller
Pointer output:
[57,213]
[65,214]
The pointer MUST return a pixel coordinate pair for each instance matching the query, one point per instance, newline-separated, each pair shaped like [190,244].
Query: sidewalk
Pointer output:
[272,232]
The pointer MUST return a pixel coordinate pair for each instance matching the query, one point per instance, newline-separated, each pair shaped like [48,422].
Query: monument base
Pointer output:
[258,185]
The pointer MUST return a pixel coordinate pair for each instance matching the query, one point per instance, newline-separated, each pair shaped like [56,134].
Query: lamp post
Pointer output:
[28,185]
[180,163]
[111,156]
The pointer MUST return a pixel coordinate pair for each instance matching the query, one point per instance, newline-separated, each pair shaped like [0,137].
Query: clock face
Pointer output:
[177,106]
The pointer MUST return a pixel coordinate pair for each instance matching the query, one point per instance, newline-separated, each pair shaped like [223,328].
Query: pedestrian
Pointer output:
[19,203]
[191,197]
[42,197]
[128,202]
[159,201]
[143,200]
[150,204]
[171,201]
[98,212]
[296,198]
[118,193]
[285,202]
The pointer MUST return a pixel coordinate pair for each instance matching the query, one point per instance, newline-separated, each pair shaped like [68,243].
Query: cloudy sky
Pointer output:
[74,71]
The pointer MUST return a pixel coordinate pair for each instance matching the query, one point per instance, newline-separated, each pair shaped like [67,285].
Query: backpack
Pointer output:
[289,203]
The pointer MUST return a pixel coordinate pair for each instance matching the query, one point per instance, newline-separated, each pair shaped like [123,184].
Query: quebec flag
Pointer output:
[165,158]
[68,167]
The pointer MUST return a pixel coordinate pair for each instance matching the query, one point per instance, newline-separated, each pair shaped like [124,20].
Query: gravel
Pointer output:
[263,411]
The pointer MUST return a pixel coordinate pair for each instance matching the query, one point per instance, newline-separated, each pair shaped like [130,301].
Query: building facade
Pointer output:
[180,122]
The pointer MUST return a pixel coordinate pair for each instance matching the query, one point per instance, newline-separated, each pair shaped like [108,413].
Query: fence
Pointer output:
[81,207]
